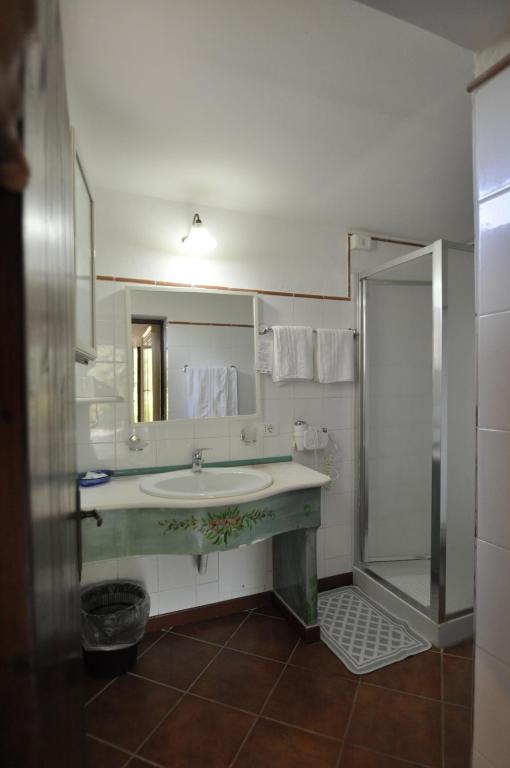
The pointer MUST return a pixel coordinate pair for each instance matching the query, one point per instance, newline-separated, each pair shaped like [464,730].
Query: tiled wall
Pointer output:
[103,428]
[492,666]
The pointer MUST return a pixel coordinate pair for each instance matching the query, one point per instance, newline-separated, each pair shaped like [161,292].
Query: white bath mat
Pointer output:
[363,634]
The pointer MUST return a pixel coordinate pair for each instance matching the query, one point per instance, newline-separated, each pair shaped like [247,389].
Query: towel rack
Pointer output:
[268,329]
[185,367]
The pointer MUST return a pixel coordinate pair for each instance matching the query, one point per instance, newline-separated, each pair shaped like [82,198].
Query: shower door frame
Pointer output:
[437,608]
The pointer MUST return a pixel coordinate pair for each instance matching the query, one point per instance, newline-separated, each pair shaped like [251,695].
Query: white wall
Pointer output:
[271,254]
[492,664]
[140,236]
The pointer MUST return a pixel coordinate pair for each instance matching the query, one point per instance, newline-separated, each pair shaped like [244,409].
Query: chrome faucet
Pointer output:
[197,459]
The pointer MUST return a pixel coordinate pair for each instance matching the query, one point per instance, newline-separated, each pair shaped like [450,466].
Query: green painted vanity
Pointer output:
[288,511]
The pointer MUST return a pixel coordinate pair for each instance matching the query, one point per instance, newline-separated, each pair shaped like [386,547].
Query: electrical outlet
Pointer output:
[269,429]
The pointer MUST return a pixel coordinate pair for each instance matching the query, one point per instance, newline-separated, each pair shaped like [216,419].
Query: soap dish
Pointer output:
[85,483]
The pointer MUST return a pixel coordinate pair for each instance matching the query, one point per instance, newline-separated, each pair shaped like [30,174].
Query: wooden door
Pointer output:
[41,706]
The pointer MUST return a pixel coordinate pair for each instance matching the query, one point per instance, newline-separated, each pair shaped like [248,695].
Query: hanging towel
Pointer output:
[334,355]
[265,352]
[206,391]
[293,353]
[232,407]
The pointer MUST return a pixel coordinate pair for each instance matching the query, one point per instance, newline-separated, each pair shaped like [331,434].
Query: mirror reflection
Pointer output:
[193,354]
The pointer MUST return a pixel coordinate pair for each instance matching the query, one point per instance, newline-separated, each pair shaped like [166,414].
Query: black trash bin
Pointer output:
[113,619]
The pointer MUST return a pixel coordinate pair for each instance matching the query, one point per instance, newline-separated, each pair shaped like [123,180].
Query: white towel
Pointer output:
[334,355]
[265,352]
[206,391]
[293,353]
[232,407]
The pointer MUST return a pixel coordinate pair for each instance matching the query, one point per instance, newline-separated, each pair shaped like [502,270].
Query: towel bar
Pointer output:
[268,329]
[185,367]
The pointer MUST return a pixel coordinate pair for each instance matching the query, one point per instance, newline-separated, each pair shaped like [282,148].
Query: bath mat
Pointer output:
[363,634]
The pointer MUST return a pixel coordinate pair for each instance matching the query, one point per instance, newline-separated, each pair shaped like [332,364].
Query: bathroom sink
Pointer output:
[206,484]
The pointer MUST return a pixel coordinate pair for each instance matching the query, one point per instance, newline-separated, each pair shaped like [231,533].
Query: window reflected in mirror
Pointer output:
[149,401]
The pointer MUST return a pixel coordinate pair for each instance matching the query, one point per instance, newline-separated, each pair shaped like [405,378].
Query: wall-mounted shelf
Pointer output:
[100,399]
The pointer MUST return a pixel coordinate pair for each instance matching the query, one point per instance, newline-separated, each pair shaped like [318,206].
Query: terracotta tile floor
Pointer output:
[244,691]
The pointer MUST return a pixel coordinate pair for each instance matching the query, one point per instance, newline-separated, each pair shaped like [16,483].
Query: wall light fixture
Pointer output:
[199,240]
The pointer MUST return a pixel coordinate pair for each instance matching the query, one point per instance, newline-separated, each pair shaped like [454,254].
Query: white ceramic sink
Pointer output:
[211,483]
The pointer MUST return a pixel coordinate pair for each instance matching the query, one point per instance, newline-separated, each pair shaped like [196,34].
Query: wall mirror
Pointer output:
[192,354]
[84,257]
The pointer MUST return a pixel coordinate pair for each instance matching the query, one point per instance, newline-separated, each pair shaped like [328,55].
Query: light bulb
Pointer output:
[199,241]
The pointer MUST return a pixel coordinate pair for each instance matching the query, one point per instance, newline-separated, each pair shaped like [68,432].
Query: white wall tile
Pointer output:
[154,608]
[308,312]
[102,423]
[211,573]
[176,571]
[308,389]
[105,341]
[279,445]
[105,301]
[209,593]
[102,376]
[240,450]
[494,486]
[339,314]
[337,509]
[92,456]
[127,459]
[309,409]
[276,310]
[493,616]
[278,411]
[338,541]
[172,452]
[494,247]
[177,599]
[211,428]
[335,565]
[492,118]
[218,448]
[122,385]
[494,371]
[244,568]
[244,591]
[123,426]
[492,709]
[339,389]
[338,412]
[143,568]
[99,570]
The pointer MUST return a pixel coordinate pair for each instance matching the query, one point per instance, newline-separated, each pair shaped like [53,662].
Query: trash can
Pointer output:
[113,619]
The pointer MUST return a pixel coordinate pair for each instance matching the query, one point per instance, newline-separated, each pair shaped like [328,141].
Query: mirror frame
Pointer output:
[84,353]
[257,415]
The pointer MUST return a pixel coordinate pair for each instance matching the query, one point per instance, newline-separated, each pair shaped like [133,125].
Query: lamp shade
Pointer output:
[199,240]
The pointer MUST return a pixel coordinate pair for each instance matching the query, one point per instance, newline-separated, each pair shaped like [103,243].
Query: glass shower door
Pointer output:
[397,426]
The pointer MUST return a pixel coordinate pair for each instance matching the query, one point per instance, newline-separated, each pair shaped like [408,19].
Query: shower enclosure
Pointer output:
[416,521]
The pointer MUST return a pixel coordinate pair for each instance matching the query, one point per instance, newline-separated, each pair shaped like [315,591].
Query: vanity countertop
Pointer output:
[125,493]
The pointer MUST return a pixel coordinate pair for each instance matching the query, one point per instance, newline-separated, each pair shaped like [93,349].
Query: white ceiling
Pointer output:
[474,24]
[294,108]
